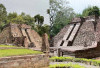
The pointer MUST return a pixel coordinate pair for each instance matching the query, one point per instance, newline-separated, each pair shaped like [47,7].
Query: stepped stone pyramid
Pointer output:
[80,38]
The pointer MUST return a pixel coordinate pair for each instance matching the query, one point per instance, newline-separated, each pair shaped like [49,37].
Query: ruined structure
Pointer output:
[45,43]
[20,35]
[80,38]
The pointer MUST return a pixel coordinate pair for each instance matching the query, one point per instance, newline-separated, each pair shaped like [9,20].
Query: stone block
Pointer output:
[45,43]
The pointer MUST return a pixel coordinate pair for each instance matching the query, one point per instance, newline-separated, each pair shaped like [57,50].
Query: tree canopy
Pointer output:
[3,13]
[60,15]
[35,22]
[94,10]
[39,19]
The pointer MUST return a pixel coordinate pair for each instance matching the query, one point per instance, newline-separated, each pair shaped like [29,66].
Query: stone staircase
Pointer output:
[69,35]
[67,39]
[28,38]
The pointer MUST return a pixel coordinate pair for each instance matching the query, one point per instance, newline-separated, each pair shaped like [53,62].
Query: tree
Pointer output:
[79,15]
[91,11]
[86,11]
[28,19]
[38,27]
[55,6]
[44,29]
[11,17]
[60,15]
[60,22]
[15,18]
[39,19]
[20,19]
[94,11]
[3,14]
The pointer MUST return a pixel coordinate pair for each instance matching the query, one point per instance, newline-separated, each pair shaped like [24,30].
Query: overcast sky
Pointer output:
[34,7]
[80,5]
[31,7]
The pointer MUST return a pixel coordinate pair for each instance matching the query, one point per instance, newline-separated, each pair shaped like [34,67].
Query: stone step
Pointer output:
[65,44]
[74,32]
[29,33]
[24,34]
[59,43]
[67,34]
[27,39]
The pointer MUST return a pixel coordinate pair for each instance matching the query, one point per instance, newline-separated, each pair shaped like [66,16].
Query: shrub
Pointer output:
[68,65]
[82,60]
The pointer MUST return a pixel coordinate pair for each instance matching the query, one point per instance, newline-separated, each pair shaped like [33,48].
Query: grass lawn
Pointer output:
[14,52]
[7,46]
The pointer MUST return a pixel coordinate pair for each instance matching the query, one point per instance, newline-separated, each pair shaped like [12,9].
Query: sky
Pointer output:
[31,7]
[34,7]
[80,5]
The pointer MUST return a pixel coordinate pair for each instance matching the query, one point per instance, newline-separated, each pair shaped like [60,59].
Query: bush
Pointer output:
[68,65]
[81,60]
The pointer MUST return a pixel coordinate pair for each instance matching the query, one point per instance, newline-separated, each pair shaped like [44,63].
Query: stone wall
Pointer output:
[60,35]
[98,31]
[86,35]
[37,40]
[15,30]
[90,53]
[5,36]
[28,61]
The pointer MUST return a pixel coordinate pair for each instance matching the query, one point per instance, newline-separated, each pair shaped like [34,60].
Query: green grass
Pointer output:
[14,52]
[7,46]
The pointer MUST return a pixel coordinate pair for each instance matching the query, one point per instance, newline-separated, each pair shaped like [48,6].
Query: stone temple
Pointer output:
[23,35]
[80,38]
[20,35]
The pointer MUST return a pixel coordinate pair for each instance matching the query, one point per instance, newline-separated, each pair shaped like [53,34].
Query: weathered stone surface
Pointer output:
[89,53]
[5,36]
[90,17]
[27,41]
[83,37]
[36,39]
[74,32]
[28,61]
[77,19]
[24,26]
[15,30]
[20,35]
[45,44]
[98,31]
[60,35]
[86,34]
[67,34]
